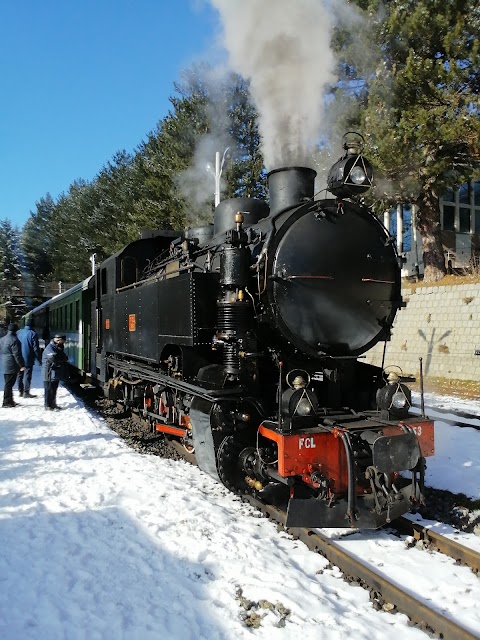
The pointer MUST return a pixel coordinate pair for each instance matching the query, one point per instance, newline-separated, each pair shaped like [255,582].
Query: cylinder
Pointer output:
[289,186]
[234,266]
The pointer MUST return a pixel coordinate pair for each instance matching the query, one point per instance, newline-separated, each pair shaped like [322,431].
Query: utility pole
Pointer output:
[218,173]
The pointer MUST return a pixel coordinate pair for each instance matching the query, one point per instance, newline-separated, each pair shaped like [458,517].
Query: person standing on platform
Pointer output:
[30,351]
[54,366]
[12,363]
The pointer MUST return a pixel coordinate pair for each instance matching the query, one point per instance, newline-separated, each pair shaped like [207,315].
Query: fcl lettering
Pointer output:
[306,443]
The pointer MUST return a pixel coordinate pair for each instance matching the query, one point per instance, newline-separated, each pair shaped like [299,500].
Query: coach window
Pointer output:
[77,314]
[128,271]
[71,325]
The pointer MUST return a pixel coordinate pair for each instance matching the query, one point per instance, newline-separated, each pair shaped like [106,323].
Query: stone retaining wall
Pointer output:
[441,324]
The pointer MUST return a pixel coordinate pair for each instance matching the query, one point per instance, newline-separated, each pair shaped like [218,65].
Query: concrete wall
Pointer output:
[441,324]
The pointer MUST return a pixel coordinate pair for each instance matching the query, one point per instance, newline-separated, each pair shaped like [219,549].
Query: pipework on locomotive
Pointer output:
[242,343]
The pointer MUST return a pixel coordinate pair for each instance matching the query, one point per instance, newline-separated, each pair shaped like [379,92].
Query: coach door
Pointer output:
[96,332]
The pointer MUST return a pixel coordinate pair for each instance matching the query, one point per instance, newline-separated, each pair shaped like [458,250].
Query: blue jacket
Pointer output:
[54,363]
[11,353]
[30,347]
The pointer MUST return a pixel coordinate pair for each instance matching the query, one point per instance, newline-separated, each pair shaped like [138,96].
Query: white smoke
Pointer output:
[283,48]
[197,183]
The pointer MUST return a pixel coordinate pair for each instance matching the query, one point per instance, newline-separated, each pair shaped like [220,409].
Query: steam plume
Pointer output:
[283,48]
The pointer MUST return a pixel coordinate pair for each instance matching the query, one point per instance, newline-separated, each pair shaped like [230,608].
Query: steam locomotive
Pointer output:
[241,342]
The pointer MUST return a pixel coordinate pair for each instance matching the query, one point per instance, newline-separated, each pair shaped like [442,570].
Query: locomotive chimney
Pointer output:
[289,186]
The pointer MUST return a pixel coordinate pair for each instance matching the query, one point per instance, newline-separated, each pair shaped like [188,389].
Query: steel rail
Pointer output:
[448,547]
[418,612]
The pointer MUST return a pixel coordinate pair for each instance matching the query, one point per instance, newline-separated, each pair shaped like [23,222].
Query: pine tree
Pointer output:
[168,152]
[11,289]
[421,118]
[246,175]
[36,239]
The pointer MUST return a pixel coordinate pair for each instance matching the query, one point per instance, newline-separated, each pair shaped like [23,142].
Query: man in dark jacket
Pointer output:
[54,369]
[30,352]
[12,363]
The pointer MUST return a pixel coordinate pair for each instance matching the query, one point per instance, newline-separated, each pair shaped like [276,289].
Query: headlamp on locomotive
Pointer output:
[352,175]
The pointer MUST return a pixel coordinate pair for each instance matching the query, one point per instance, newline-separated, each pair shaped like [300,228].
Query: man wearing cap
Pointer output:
[30,352]
[54,362]
[12,363]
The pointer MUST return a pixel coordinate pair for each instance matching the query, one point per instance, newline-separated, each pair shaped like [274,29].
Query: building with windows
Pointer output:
[460,222]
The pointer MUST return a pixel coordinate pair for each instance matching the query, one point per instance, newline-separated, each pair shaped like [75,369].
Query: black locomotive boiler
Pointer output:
[241,342]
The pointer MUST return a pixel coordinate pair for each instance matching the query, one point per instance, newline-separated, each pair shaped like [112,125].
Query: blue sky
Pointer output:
[81,79]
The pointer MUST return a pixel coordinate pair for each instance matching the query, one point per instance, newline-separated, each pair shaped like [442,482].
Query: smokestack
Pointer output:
[289,186]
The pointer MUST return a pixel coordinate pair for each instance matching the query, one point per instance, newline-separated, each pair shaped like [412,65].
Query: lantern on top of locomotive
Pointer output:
[352,175]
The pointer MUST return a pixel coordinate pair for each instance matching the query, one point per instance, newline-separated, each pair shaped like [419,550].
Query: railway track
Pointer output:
[433,540]
[381,588]
[427,618]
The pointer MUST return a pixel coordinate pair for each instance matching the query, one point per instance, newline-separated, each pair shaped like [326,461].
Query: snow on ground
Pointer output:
[456,464]
[100,542]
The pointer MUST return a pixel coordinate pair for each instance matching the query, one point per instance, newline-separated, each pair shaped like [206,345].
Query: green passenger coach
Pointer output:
[68,313]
